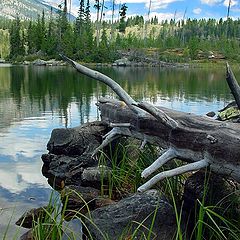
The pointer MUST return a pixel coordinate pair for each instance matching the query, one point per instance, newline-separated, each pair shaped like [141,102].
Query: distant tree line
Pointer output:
[100,41]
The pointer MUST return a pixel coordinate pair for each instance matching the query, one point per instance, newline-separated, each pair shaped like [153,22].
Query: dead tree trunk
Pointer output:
[198,140]
[233,85]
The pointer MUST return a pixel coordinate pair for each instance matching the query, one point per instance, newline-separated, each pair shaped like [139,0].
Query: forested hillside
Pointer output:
[102,41]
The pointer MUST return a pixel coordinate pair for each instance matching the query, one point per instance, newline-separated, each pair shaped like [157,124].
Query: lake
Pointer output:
[35,100]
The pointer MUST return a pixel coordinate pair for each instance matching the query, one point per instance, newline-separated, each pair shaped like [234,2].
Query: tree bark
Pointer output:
[233,85]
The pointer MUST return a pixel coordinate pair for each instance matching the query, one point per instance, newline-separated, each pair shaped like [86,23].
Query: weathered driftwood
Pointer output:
[198,140]
[233,85]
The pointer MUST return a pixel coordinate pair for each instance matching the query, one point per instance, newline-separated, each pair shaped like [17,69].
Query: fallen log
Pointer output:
[198,140]
[233,85]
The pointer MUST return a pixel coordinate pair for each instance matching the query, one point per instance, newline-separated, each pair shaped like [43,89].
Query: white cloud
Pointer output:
[130,1]
[155,4]
[211,2]
[160,4]
[197,11]
[233,3]
[165,16]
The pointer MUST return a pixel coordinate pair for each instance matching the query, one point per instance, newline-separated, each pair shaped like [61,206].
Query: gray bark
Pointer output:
[233,85]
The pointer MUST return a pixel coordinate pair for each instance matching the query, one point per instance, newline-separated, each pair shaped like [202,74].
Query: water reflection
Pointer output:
[34,100]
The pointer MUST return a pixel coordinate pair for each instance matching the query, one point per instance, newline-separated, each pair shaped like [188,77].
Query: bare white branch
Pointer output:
[119,125]
[165,157]
[108,81]
[174,172]
[144,142]
[158,114]
[108,138]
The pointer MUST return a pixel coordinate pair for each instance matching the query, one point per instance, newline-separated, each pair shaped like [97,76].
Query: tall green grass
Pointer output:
[211,221]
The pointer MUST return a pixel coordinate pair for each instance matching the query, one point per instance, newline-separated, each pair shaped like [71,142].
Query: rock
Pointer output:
[229,113]
[94,176]
[27,236]
[53,62]
[34,214]
[66,168]
[211,114]
[72,230]
[79,198]
[26,63]
[124,217]
[219,192]
[78,140]
[39,62]
[60,165]
[102,202]
[123,62]
[70,150]
[56,183]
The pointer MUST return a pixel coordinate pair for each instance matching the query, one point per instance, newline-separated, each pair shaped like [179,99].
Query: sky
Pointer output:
[167,9]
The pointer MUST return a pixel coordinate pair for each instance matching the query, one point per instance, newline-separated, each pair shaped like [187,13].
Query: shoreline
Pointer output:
[159,64]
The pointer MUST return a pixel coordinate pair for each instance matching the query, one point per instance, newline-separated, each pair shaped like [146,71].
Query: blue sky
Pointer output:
[167,9]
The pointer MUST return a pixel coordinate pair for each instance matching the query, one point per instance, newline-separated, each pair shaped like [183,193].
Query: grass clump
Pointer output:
[208,219]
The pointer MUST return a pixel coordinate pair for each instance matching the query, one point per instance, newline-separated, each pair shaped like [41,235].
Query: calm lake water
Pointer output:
[35,100]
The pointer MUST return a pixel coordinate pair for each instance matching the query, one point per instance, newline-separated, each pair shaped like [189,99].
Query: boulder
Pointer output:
[70,230]
[70,151]
[28,218]
[230,112]
[94,176]
[27,236]
[211,114]
[78,140]
[123,62]
[39,62]
[136,213]
[79,198]
[216,191]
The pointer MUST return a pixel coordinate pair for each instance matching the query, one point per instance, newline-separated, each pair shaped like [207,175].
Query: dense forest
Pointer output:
[102,41]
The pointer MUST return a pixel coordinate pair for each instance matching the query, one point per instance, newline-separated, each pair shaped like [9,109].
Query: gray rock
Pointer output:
[27,236]
[216,191]
[211,114]
[93,176]
[80,198]
[123,62]
[70,150]
[65,168]
[134,212]
[78,140]
[72,230]
[230,113]
[39,62]
[34,214]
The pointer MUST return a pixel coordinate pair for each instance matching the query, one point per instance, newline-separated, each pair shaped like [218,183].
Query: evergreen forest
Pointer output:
[104,41]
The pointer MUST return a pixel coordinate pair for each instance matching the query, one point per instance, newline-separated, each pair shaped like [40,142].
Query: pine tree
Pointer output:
[16,41]
[122,24]
[50,43]
[80,19]
[65,37]
[30,38]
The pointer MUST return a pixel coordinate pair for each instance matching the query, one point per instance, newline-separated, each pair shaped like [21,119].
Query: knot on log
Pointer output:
[212,139]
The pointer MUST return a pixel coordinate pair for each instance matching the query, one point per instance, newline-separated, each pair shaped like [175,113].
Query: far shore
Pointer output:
[192,64]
